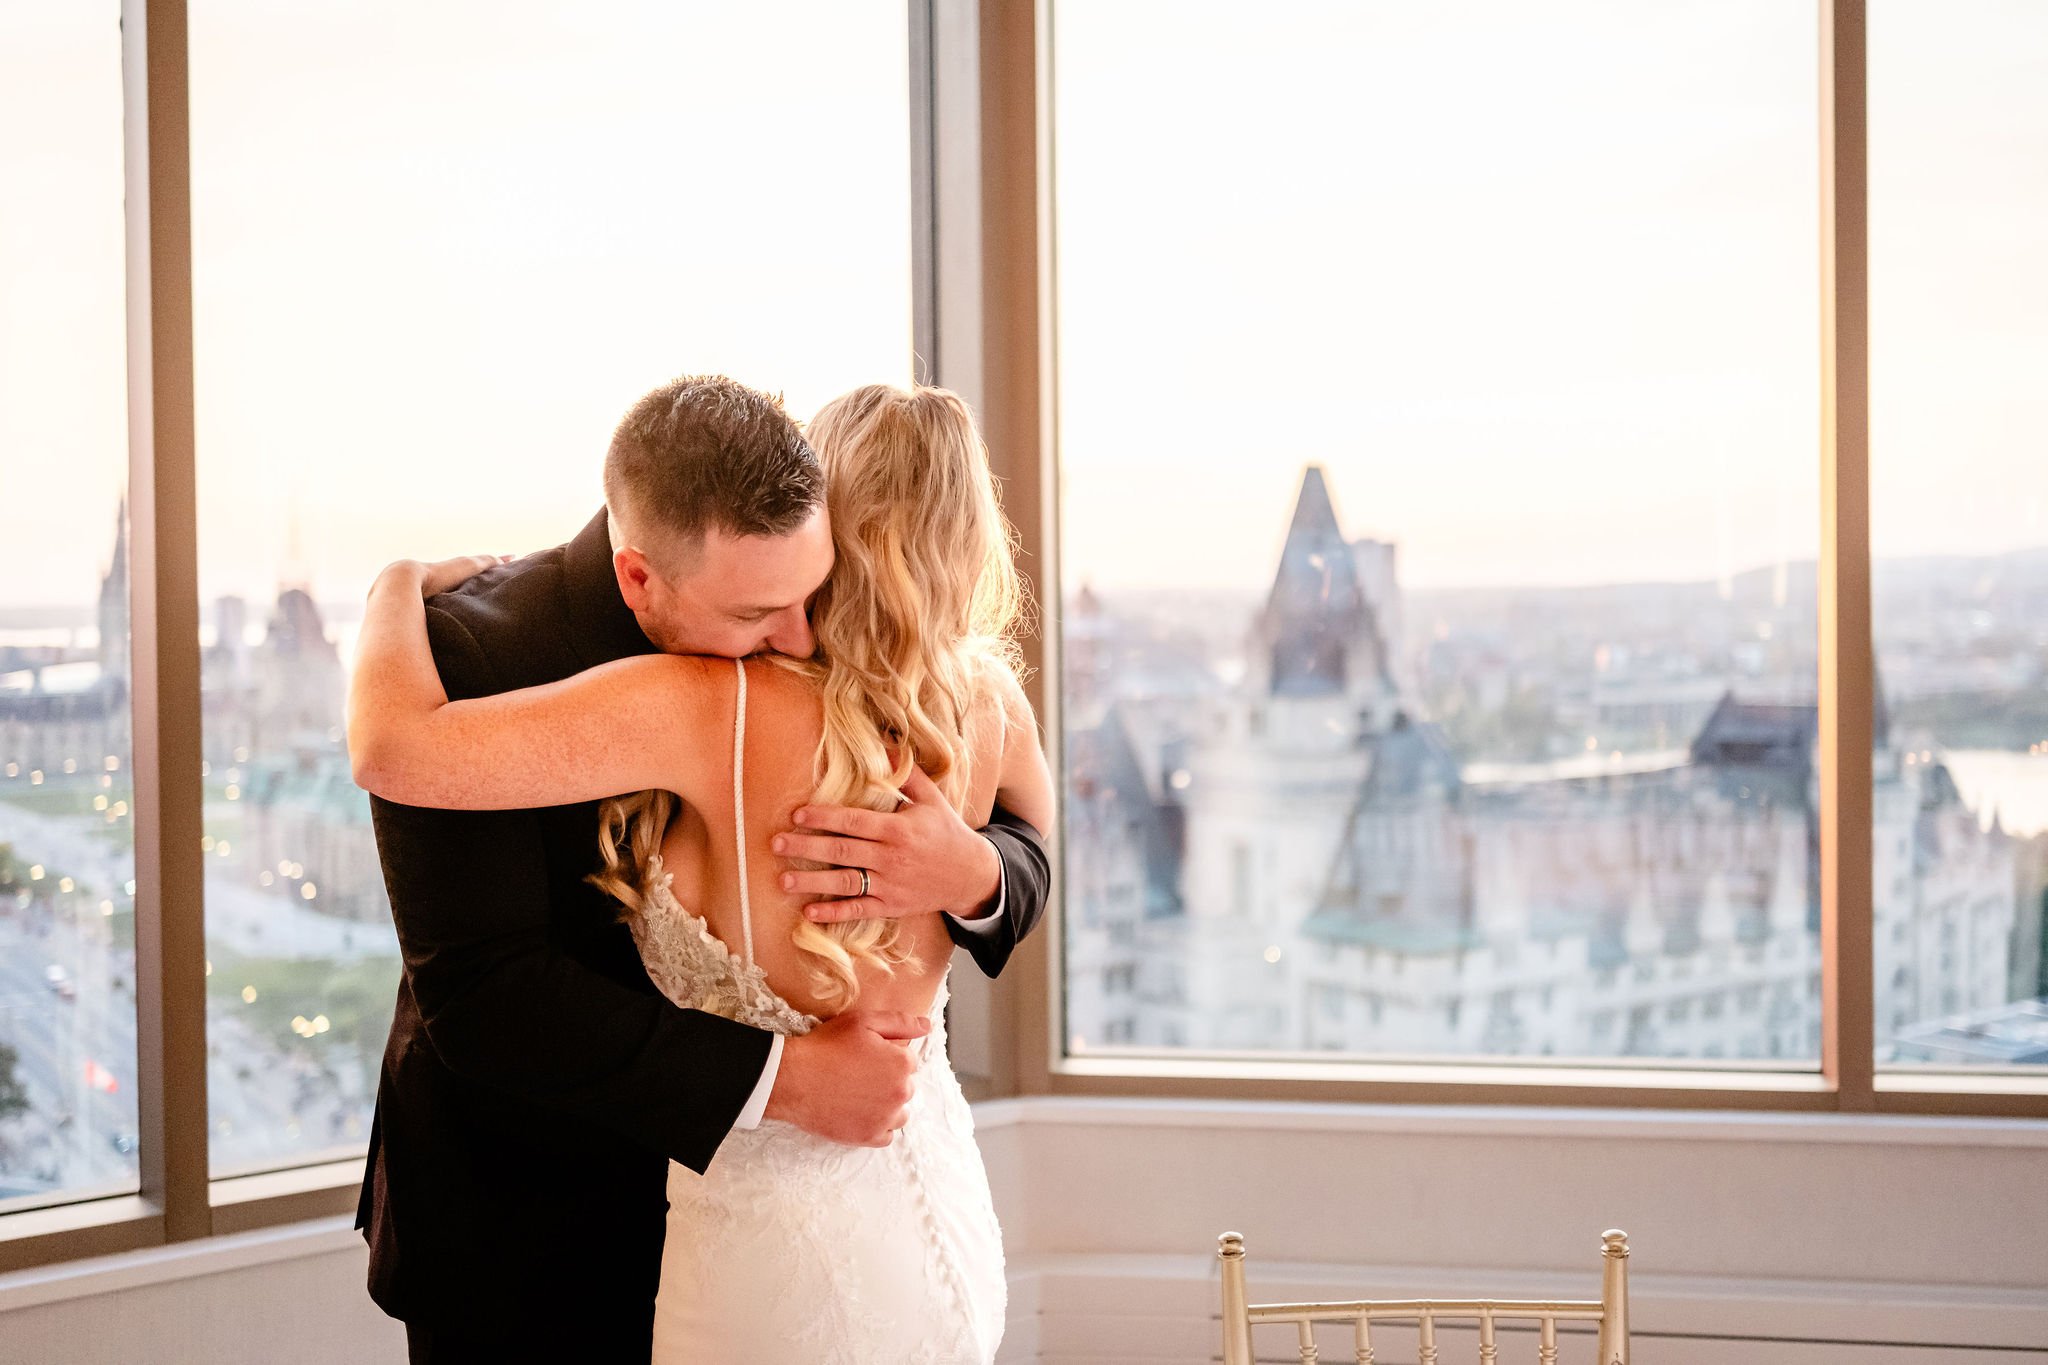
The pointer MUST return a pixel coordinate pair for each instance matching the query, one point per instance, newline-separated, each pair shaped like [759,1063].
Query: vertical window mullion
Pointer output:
[924,115]
[1847,669]
[991,296]
[170,952]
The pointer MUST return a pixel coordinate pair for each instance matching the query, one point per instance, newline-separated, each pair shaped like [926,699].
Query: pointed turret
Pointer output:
[1317,634]
[113,610]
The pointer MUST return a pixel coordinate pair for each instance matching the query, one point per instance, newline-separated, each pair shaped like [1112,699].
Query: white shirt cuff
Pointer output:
[986,925]
[757,1103]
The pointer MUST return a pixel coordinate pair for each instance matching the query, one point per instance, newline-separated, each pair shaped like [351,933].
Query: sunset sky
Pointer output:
[1537,284]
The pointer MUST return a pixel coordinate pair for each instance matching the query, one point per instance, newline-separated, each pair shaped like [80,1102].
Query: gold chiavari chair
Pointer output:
[1610,1310]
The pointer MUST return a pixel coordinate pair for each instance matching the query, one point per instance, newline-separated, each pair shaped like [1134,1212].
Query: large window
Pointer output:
[437,253]
[1959,530]
[1479,718]
[67,922]
[417,318]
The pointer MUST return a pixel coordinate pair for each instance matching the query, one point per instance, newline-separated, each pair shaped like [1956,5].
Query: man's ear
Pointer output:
[630,567]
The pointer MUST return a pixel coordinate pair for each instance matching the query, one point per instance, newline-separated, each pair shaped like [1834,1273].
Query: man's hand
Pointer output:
[918,859]
[848,1080]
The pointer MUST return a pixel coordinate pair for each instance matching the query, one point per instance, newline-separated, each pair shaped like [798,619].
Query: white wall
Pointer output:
[1760,1239]
[1765,1239]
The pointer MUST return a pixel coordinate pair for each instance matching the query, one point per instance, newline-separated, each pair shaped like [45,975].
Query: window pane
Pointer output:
[67,865]
[1438,406]
[1959,528]
[438,252]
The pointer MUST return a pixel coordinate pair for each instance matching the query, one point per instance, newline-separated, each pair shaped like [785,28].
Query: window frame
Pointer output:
[983,307]
[173,1201]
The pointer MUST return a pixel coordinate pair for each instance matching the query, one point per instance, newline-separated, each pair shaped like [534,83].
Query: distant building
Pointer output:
[2005,1035]
[66,713]
[272,739]
[63,719]
[113,616]
[1303,864]
[308,824]
[1660,910]
[1271,775]
[1124,876]
[274,713]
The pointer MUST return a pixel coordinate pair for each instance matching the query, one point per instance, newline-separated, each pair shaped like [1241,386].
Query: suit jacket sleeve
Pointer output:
[1027,882]
[503,1007]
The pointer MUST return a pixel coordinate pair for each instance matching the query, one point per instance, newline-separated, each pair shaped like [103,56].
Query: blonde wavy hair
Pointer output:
[923,601]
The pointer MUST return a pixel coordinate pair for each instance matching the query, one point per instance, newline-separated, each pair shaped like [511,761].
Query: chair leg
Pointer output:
[1614,1297]
[1237,1322]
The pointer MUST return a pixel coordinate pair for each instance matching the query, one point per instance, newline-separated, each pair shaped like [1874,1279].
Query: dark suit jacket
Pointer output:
[535,1085]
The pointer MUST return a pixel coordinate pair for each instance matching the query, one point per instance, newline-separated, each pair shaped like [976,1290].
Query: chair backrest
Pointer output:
[1610,1310]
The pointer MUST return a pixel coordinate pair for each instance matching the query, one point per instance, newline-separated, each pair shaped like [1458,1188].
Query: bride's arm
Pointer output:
[1024,784]
[623,727]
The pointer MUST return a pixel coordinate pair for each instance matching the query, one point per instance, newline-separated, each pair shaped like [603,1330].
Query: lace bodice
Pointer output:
[693,967]
[686,961]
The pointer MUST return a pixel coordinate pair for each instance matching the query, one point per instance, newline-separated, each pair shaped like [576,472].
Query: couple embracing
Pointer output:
[681,822]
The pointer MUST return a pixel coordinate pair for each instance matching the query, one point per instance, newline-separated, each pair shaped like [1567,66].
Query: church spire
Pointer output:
[119,567]
[297,572]
[113,610]
[1317,608]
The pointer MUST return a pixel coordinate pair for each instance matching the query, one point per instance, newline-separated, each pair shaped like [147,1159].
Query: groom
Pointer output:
[535,1085]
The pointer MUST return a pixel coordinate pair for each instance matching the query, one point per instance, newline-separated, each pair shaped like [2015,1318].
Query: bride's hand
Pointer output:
[443,574]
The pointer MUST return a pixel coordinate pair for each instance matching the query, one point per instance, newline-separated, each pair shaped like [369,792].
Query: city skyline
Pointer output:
[1336,819]
[57,609]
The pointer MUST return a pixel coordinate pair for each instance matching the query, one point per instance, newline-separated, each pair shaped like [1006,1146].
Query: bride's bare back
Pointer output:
[783,723]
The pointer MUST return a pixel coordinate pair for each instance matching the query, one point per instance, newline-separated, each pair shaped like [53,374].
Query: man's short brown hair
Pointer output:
[705,451]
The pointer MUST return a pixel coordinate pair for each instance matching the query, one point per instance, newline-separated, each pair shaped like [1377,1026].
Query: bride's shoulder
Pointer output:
[1000,707]
[781,691]
[687,674]
[684,688]
[1004,689]
[773,675]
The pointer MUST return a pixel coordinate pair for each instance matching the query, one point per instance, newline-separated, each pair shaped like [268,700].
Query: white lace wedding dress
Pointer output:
[792,1248]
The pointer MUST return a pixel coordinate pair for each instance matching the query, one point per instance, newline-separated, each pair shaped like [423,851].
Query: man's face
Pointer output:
[737,595]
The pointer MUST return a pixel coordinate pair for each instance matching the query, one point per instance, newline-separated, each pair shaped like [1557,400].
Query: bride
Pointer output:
[789,1247]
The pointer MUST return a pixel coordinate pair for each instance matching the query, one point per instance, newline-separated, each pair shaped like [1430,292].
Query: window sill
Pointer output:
[1496,1120]
[1647,1088]
[94,1227]
[77,1233]
[244,1203]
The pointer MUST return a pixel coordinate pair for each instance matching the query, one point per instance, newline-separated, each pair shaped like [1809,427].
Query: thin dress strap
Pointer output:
[739,811]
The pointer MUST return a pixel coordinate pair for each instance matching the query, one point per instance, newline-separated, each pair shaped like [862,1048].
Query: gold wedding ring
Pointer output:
[863,881]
